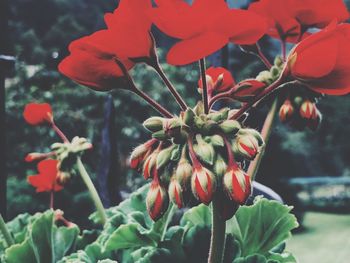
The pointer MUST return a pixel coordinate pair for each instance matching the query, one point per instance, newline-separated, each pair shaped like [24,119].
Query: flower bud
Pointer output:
[220,166]
[30,157]
[183,172]
[154,124]
[157,200]
[216,140]
[160,135]
[203,184]
[286,111]
[140,153]
[237,185]
[230,127]
[247,146]
[176,193]
[150,164]
[218,116]
[248,89]
[188,117]
[172,127]
[205,151]
[218,80]
[265,76]
[278,61]
[314,123]
[164,156]
[308,110]
[254,133]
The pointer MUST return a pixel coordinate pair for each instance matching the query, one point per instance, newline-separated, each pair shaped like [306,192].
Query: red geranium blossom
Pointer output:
[204,27]
[38,113]
[92,59]
[46,180]
[322,61]
[290,19]
[218,80]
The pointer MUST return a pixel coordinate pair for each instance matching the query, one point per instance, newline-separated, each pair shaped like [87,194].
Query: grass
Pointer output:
[325,239]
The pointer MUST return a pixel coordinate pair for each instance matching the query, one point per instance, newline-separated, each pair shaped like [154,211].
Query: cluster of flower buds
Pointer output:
[196,154]
[300,113]
[270,76]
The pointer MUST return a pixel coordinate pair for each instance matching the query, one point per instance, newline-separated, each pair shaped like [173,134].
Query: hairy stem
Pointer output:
[218,235]
[265,133]
[92,190]
[5,232]
[202,68]
[140,93]
[59,132]
[170,86]
[169,216]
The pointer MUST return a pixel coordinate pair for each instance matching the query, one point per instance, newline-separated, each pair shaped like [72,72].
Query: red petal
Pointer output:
[37,113]
[191,50]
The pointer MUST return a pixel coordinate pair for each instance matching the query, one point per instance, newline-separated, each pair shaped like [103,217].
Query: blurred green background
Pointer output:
[40,32]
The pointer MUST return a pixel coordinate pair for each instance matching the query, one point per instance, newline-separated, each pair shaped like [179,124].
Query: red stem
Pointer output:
[195,162]
[59,133]
[140,93]
[231,158]
[170,86]
[262,95]
[263,58]
[205,86]
[284,50]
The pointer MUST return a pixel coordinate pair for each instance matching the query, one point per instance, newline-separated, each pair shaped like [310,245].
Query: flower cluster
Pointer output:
[200,151]
[198,154]
[54,167]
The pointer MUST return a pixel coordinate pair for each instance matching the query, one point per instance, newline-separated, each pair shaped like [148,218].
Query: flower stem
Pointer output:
[170,86]
[140,93]
[218,235]
[169,216]
[263,58]
[202,68]
[247,106]
[5,232]
[59,132]
[265,133]
[284,49]
[93,192]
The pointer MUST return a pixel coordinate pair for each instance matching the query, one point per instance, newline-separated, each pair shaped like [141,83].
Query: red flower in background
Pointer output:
[46,180]
[38,113]
[322,61]
[92,59]
[203,27]
[290,19]
[218,80]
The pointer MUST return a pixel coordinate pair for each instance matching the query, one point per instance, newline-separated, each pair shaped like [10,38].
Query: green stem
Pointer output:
[169,216]
[5,232]
[265,133]
[218,235]
[93,192]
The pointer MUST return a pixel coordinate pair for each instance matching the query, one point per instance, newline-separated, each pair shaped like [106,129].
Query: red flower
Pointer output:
[38,113]
[92,59]
[218,80]
[290,19]
[204,27]
[286,111]
[322,61]
[247,89]
[46,180]
[157,199]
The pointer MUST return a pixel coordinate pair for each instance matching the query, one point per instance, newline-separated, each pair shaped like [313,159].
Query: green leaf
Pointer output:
[284,257]
[128,236]
[197,216]
[45,242]
[261,227]
[256,258]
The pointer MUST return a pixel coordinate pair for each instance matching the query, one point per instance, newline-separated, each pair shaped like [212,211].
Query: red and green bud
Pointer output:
[183,172]
[248,89]
[237,184]
[140,153]
[286,111]
[314,123]
[30,157]
[176,193]
[63,178]
[218,80]
[154,124]
[203,184]
[172,127]
[308,110]
[157,200]
[150,164]
[246,145]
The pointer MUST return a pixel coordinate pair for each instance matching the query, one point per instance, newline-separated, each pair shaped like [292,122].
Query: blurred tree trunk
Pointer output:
[109,170]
